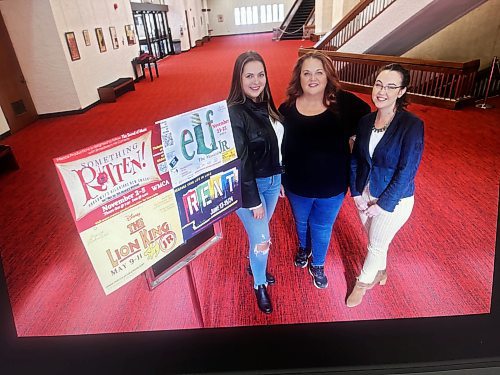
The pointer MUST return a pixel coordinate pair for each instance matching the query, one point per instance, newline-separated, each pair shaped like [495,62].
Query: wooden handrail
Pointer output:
[432,82]
[352,23]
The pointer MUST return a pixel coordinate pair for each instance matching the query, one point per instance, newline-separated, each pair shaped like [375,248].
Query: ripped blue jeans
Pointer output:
[258,230]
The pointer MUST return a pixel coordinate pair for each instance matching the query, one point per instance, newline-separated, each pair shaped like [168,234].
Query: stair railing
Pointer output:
[432,82]
[278,32]
[360,16]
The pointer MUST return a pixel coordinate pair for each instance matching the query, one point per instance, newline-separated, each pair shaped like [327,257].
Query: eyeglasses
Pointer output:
[387,88]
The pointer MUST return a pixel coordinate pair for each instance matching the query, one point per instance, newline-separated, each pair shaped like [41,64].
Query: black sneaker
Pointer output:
[319,277]
[302,256]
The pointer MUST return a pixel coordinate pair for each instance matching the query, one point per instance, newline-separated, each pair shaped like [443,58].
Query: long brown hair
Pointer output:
[236,94]
[294,89]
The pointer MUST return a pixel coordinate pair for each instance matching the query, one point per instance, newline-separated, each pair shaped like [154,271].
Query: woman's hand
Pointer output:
[360,203]
[258,213]
[373,210]
[282,192]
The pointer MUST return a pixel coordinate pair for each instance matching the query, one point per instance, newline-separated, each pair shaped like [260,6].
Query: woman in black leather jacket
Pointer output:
[257,132]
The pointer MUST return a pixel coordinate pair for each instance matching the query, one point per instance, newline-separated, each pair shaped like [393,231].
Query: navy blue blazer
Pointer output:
[392,169]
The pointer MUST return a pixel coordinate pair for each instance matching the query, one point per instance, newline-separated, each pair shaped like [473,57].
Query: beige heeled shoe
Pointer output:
[357,294]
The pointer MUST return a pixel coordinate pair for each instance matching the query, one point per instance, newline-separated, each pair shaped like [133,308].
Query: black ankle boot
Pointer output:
[263,300]
[270,280]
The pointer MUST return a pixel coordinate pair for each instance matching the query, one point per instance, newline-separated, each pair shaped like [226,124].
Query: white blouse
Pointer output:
[279,130]
[374,140]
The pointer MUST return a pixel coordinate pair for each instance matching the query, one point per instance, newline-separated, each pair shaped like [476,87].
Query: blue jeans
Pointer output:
[258,229]
[314,218]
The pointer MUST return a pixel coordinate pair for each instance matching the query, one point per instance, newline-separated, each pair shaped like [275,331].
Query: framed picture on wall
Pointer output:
[100,39]
[72,46]
[114,37]
[86,37]
[129,32]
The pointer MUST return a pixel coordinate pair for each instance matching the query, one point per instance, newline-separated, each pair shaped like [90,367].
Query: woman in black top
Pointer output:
[257,132]
[319,119]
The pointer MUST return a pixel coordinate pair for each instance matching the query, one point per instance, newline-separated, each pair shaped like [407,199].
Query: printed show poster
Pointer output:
[197,142]
[208,198]
[123,203]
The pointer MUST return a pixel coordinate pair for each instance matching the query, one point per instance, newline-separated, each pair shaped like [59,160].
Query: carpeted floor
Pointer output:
[441,262]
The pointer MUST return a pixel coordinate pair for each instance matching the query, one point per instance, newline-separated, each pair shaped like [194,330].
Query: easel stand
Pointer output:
[195,298]
[484,105]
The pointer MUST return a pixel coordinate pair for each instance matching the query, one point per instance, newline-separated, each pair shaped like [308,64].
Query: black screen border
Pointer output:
[376,346]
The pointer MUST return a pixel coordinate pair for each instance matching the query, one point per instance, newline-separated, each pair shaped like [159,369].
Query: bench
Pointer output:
[111,91]
[7,159]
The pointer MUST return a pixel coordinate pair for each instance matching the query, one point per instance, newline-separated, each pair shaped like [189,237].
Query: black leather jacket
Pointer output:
[256,145]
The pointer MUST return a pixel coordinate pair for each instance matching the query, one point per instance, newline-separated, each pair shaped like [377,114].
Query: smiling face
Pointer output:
[253,79]
[387,90]
[313,78]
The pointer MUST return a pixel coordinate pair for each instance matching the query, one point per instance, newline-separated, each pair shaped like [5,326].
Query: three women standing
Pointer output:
[258,133]
[385,159]
[319,119]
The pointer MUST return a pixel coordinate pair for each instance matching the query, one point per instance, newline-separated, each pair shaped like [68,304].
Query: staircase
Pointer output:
[293,25]
[376,32]
[393,27]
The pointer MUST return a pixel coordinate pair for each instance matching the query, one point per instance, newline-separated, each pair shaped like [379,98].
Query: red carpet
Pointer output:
[441,263]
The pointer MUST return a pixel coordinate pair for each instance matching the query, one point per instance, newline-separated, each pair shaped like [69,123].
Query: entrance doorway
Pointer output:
[152,28]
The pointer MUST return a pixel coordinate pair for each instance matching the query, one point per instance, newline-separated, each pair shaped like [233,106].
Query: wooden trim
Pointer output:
[439,83]
[68,113]
[433,65]
[5,135]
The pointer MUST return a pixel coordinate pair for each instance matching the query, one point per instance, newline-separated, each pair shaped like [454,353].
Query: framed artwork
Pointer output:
[100,39]
[86,37]
[129,32]
[114,37]
[72,46]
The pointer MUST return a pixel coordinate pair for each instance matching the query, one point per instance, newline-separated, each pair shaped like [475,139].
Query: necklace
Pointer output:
[384,128]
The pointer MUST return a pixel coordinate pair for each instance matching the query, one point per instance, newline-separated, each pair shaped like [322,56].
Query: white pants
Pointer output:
[381,229]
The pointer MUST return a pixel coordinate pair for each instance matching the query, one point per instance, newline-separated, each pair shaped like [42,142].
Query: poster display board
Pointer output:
[201,156]
[137,197]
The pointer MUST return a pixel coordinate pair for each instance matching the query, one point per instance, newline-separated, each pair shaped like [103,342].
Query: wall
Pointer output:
[328,13]
[226,9]
[194,14]
[324,12]
[475,35]
[4,127]
[56,83]
[383,25]
[95,69]
[40,53]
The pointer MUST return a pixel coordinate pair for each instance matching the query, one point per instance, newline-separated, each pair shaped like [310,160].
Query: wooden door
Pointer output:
[15,98]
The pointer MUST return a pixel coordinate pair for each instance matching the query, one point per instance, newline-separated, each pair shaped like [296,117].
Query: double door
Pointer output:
[153,32]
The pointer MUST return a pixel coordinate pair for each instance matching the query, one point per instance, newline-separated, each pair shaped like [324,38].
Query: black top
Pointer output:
[256,146]
[316,148]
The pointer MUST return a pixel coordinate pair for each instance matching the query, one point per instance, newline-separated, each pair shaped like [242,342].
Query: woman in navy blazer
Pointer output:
[384,162]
